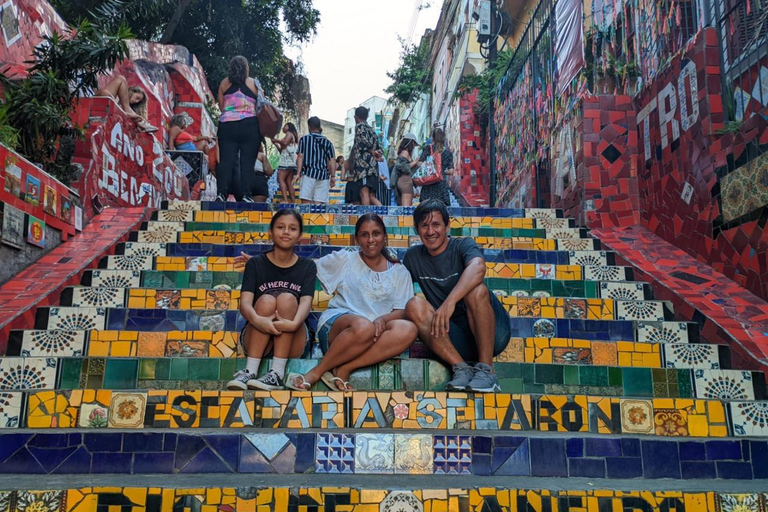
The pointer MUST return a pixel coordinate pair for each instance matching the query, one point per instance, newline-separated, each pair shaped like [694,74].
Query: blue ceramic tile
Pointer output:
[574,447]
[481,444]
[169,442]
[152,463]
[50,458]
[21,462]
[660,459]
[227,447]
[698,470]
[548,457]
[77,463]
[207,461]
[724,450]
[110,462]
[49,441]
[587,468]
[9,443]
[481,465]
[734,470]
[692,450]
[624,467]
[759,451]
[603,447]
[105,442]
[335,453]
[187,448]
[452,455]
[251,460]
[630,447]
[142,442]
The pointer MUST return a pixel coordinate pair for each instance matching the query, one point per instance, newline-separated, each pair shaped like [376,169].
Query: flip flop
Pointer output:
[330,380]
[304,386]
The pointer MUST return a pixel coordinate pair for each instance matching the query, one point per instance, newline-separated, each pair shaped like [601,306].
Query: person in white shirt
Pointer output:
[364,323]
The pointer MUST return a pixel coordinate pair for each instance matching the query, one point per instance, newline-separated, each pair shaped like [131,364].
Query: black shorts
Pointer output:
[463,340]
[372,182]
[352,192]
[260,184]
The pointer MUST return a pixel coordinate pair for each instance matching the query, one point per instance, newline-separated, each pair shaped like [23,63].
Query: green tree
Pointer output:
[216,30]
[37,108]
[409,79]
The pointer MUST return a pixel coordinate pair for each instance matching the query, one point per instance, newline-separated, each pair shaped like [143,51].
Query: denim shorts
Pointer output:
[325,330]
[463,339]
[187,146]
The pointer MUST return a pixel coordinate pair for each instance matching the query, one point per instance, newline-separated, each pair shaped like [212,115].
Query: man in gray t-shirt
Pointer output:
[460,319]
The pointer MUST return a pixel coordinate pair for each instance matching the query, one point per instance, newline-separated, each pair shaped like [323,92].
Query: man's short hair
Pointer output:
[361,113]
[314,123]
[425,209]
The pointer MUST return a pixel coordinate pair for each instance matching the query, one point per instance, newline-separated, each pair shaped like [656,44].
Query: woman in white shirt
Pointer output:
[364,323]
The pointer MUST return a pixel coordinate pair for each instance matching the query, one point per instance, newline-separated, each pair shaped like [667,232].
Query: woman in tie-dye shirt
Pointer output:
[239,136]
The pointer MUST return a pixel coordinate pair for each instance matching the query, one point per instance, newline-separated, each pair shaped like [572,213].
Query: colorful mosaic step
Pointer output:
[24,373]
[163,320]
[356,499]
[502,286]
[196,344]
[402,411]
[154,249]
[223,300]
[413,454]
[534,213]
[349,229]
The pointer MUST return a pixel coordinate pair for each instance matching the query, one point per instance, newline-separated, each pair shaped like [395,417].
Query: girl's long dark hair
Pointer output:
[292,129]
[287,211]
[372,217]
[238,70]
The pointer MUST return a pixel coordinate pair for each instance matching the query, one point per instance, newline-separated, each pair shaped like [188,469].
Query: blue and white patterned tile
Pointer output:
[157,225]
[588,258]
[401,501]
[724,384]
[413,454]
[691,355]
[10,410]
[120,262]
[53,343]
[574,244]
[374,453]
[23,373]
[98,297]
[116,278]
[159,236]
[269,445]
[749,418]
[622,291]
[145,249]
[662,332]
[176,215]
[77,319]
[604,272]
[452,455]
[644,310]
[335,453]
[566,234]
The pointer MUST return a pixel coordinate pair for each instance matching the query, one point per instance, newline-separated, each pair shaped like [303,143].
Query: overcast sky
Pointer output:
[356,45]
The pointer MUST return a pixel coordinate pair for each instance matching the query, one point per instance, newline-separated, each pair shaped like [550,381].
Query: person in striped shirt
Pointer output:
[316,164]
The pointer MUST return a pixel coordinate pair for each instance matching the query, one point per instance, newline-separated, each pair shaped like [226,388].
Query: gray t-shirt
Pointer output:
[437,275]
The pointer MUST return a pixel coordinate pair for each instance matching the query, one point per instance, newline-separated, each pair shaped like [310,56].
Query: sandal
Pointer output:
[331,380]
[304,386]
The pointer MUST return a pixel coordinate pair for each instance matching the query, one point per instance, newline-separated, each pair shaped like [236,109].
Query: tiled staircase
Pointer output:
[602,388]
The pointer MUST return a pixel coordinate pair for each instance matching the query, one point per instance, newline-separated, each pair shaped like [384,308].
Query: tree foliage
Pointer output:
[409,79]
[37,108]
[216,30]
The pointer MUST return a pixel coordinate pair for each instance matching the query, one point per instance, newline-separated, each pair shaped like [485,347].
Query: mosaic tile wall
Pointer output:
[351,499]
[471,159]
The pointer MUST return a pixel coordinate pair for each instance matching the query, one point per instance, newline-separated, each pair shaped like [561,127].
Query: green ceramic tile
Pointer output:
[637,382]
[179,369]
[685,388]
[614,376]
[227,368]
[591,289]
[70,371]
[413,373]
[527,372]
[163,368]
[534,389]
[202,369]
[511,385]
[508,370]
[571,375]
[147,369]
[548,374]
[593,375]
[121,373]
